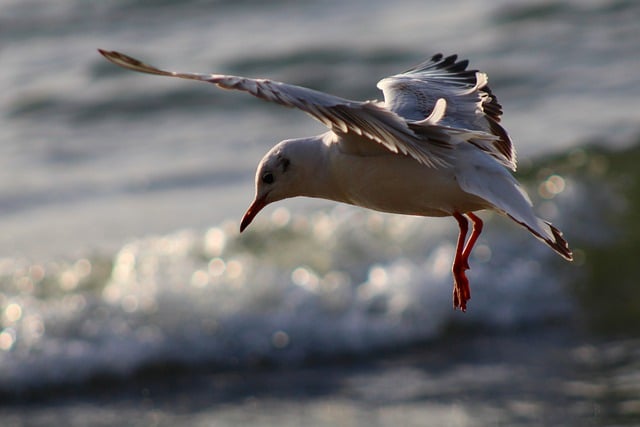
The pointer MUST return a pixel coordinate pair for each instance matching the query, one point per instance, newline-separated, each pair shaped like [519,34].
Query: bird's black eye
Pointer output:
[267,178]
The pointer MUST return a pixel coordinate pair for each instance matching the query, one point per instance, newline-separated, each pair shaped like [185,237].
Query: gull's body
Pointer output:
[415,190]
[433,148]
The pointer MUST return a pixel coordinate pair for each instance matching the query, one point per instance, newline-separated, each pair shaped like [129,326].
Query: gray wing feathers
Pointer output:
[368,119]
[470,102]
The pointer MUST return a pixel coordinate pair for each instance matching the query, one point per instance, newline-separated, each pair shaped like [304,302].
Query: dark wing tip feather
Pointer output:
[456,69]
[440,62]
[503,143]
[120,58]
[491,106]
[448,61]
[559,244]
[459,66]
[130,63]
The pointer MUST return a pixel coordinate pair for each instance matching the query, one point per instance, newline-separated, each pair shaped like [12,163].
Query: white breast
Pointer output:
[399,184]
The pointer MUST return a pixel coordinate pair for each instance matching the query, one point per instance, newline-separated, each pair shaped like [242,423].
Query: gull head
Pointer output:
[277,177]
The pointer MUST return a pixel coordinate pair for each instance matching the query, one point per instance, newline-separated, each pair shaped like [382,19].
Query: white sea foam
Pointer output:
[293,288]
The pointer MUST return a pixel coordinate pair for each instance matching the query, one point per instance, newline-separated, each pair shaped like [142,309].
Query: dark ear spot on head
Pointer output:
[285,164]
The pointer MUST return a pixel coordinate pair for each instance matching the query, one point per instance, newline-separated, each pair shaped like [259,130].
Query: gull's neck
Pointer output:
[314,169]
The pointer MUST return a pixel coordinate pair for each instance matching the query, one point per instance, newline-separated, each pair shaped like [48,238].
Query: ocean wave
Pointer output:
[292,289]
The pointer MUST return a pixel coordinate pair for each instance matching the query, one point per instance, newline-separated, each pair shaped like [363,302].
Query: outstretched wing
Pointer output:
[470,103]
[370,120]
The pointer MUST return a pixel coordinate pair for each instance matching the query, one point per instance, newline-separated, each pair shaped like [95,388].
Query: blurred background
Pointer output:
[128,297]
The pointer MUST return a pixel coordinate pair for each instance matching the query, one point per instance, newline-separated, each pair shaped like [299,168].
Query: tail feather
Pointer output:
[559,244]
[492,182]
[554,239]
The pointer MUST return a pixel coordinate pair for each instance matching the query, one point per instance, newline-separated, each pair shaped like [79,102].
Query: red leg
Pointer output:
[461,291]
[475,233]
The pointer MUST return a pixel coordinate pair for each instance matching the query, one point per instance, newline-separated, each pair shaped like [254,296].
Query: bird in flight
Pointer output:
[434,147]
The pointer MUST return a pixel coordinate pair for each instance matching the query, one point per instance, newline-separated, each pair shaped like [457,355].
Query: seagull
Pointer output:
[434,148]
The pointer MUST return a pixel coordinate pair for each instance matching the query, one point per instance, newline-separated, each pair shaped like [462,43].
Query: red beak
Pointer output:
[251,213]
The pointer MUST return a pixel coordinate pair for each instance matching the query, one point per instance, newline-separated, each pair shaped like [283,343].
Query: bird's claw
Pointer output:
[461,290]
